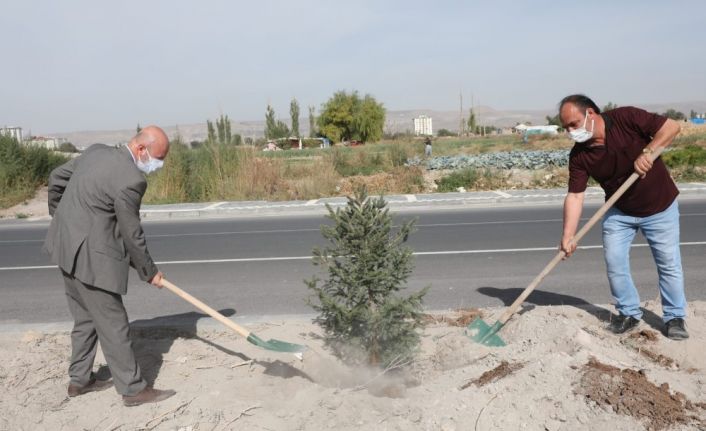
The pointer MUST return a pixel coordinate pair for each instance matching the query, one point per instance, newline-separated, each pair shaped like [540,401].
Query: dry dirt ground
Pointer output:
[561,370]
[31,209]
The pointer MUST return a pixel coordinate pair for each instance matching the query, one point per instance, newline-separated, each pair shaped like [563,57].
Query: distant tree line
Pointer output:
[344,117]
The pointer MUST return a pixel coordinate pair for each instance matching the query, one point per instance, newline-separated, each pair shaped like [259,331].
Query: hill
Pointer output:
[396,121]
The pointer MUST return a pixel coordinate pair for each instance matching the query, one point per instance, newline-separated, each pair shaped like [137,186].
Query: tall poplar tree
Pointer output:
[294,114]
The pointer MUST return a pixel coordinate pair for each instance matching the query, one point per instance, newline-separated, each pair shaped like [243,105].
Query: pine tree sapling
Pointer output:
[367,266]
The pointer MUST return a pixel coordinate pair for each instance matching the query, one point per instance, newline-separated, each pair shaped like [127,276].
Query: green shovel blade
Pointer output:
[482,333]
[276,345]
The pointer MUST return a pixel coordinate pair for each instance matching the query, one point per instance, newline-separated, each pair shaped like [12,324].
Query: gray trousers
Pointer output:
[99,316]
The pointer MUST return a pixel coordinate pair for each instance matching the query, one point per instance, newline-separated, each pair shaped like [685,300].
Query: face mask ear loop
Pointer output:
[585,122]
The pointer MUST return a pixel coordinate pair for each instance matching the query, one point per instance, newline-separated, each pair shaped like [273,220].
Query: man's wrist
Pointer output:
[648,150]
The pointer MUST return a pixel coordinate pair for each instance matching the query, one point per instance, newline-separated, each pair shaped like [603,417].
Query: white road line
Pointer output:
[248,232]
[411,198]
[419,253]
[214,206]
[502,194]
[311,202]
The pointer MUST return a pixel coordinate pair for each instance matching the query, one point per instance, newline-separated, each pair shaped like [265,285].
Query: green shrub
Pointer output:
[397,154]
[690,155]
[22,169]
[465,178]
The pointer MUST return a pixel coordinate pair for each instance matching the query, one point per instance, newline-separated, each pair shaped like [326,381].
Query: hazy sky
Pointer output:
[89,65]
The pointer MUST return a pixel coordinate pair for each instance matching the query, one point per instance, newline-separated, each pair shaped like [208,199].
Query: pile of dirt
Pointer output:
[629,392]
[641,339]
[540,380]
[461,317]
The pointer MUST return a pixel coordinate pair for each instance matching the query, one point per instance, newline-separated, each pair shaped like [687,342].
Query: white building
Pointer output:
[12,132]
[536,130]
[422,126]
[49,143]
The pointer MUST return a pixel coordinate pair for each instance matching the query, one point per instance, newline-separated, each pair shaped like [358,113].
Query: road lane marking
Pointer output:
[214,206]
[418,253]
[247,232]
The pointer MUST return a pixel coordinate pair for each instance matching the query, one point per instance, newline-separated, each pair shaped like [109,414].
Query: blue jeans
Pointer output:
[662,233]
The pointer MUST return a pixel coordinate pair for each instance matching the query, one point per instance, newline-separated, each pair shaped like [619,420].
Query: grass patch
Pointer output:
[473,179]
[687,162]
[688,156]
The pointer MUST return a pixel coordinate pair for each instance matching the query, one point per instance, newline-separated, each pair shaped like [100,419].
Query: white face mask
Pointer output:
[150,165]
[580,134]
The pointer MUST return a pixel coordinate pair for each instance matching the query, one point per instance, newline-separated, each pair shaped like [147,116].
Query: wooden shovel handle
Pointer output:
[581,233]
[206,309]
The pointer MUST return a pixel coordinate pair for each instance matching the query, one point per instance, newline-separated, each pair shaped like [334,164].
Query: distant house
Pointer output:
[12,132]
[536,130]
[526,130]
[423,126]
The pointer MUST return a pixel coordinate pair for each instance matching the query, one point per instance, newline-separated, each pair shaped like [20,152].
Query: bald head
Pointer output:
[152,140]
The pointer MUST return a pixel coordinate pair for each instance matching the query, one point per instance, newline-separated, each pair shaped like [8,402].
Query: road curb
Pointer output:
[400,203]
[396,202]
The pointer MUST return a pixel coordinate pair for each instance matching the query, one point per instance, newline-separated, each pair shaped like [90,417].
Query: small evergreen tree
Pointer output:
[367,265]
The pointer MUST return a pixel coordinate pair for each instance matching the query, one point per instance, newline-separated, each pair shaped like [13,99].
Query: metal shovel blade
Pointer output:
[276,345]
[482,333]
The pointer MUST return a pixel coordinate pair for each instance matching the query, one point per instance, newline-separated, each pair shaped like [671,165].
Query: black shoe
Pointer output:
[621,324]
[676,329]
[147,395]
[93,385]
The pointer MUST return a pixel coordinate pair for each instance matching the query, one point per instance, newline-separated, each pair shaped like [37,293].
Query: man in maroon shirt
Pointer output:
[609,147]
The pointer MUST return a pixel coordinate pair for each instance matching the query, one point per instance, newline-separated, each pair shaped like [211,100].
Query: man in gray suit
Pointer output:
[94,236]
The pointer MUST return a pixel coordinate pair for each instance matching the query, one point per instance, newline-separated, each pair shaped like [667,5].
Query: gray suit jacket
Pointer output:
[95,232]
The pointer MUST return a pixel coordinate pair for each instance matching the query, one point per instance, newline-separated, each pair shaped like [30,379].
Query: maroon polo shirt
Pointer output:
[628,131]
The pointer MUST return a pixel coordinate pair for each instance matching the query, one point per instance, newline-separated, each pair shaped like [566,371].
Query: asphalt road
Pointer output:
[472,257]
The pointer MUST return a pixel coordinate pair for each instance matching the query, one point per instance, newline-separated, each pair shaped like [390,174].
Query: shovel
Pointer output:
[274,345]
[482,333]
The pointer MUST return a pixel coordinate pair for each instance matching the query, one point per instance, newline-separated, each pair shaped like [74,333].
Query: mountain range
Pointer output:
[395,121]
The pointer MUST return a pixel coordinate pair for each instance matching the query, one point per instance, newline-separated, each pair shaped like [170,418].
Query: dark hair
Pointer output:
[581,101]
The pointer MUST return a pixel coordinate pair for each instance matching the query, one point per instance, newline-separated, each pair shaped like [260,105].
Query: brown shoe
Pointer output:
[92,386]
[147,395]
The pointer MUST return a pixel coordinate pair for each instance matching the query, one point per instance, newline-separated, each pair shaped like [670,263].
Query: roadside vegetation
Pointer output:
[228,167]
[23,169]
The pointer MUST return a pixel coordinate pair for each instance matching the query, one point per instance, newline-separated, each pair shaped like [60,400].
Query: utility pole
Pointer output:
[480,125]
[473,113]
[460,114]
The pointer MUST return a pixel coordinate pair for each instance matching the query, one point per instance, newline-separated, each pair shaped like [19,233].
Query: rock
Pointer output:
[448,425]
[332,403]
[415,415]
